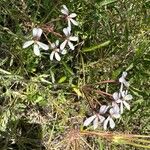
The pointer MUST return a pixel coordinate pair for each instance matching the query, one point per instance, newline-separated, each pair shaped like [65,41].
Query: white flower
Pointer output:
[69,17]
[37,32]
[97,117]
[113,113]
[55,52]
[68,39]
[121,99]
[123,81]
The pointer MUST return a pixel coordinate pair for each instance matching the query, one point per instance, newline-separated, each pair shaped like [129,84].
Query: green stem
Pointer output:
[137,145]
[38,7]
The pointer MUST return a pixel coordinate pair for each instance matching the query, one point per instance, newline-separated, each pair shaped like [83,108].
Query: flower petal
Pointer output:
[74,22]
[64,51]
[72,15]
[65,10]
[126,84]
[126,105]
[114,103]
[71,45]
[65,7]
[36,49]
[116,96]
[69,30]
[89,120]
[112,123]
[124,74]
[95,123]
[57,56]
[116,108]
[121,107]
[118,101]
[42,45]
[128,97]
[66,31]
[106,123]
[123,94]
[69,24]
[73,38]
[103,109]
[122,80]
[52,55]
[121,88]
[57,43]
[62,45]
[101,118]
[114,112]
[37,32]
[27,44]
[34,32]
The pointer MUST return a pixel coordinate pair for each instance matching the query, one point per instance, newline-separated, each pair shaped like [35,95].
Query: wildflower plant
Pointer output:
[55,91]
[56,47]
[114,109]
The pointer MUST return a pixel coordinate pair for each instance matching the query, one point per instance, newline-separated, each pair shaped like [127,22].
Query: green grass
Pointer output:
[36,113]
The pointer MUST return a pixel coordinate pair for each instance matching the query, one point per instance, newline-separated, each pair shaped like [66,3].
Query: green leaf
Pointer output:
[4,71]
[77,90]
[107,2]
[96,47]
[2,62]
[68,69]
[130,67]
[38,99]
[62,79]
[116,73]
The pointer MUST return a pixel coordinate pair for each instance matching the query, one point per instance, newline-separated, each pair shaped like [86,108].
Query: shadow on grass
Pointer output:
[22,135]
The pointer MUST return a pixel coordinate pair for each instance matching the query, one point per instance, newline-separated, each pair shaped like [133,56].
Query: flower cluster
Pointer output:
[56,47]
[113,110]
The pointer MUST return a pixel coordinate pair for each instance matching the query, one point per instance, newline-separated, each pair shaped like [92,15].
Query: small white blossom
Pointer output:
[123,81]
[116,97]
[121,98]
[37,32]
[68,16]
[113,113]
[97,118]
[68,39]
[55,52]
